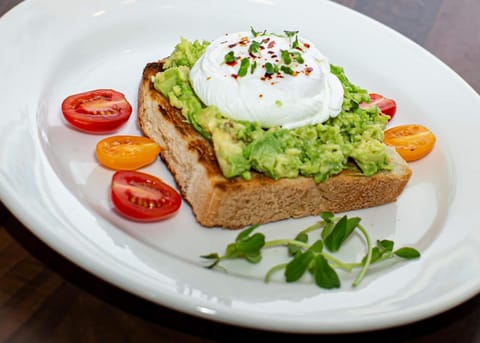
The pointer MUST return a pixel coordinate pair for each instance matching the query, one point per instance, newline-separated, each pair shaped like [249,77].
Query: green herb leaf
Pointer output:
[287,70]
[256,34]
[251,245]
[294,249]
[295,43]
[327,230]
[317,247]
[291,34]
[245,233]
[254,47]
[230,57]
[385,245]
[271,68]
[341,232]
[298,57]
[327,216]
[286,57]
[407,253]
[298,266]
[253,66]
[244,67]
[325,276]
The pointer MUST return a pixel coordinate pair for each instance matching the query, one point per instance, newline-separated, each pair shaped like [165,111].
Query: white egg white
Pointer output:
[309,95]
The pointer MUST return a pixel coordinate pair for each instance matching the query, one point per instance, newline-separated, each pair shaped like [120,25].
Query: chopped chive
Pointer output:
[298,56]
[230,57]
[253,66]
[244,67]
[287,70]
[254,47]
[286,57]
[295,43]
[271,68]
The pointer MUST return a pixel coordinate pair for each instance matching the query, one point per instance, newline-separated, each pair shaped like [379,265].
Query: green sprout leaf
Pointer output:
[341,232]
[298,266]
[325,276]
[312,258]
[407,253]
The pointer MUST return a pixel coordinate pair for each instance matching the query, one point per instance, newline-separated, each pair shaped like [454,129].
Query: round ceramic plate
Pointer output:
[50,179]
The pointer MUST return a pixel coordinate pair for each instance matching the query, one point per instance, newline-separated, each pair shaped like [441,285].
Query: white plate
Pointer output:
[50,180]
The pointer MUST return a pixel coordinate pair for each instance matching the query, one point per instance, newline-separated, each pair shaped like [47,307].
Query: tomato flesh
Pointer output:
[97,111]
[412,142]
[143,197]
[126,152]
[385,105]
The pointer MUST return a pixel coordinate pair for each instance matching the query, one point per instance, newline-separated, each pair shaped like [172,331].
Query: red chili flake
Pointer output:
[231,64]
[232,45]
[308,70]
[271,44]
[235,76]
[266,40]
[306,45]
[260,95]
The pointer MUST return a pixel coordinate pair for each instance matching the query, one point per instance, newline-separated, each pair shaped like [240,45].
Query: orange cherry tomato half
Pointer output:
[385,105]
[412,142]
[97,111]
[143,197]
[126,152]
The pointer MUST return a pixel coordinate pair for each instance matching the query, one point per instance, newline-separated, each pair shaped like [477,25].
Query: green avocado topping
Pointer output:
[353,139]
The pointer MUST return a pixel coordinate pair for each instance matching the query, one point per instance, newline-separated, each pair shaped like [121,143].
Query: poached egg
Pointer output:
[276,80]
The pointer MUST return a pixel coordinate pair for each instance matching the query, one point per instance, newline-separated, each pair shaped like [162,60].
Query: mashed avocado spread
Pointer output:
[353,139]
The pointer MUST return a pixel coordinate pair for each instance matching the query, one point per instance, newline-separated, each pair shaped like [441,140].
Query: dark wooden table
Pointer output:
[45,298]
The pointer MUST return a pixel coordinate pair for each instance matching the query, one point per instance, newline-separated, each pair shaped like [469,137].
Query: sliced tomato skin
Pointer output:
[143,197]
[97,111]
[411,141]
[126,152]
[385,105]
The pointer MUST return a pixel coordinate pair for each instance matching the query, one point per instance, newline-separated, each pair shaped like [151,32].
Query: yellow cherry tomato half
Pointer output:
[412,141]
[126,152]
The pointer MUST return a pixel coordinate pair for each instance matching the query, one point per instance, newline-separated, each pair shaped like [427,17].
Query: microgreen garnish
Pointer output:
[244,64]
[314,259]
[230,57]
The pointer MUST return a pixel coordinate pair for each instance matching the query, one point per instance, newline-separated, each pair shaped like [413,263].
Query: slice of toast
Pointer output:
[236,203]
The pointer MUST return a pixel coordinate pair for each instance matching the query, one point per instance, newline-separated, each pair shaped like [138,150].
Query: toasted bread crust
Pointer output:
[236,203]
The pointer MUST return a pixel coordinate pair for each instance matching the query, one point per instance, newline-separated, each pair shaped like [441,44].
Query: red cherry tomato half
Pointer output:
[143,197]
[97,111]
[385,105]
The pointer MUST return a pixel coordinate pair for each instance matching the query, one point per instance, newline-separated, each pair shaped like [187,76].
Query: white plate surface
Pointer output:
[49,177]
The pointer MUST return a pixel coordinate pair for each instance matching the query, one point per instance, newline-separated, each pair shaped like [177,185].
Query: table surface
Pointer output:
[44,297]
